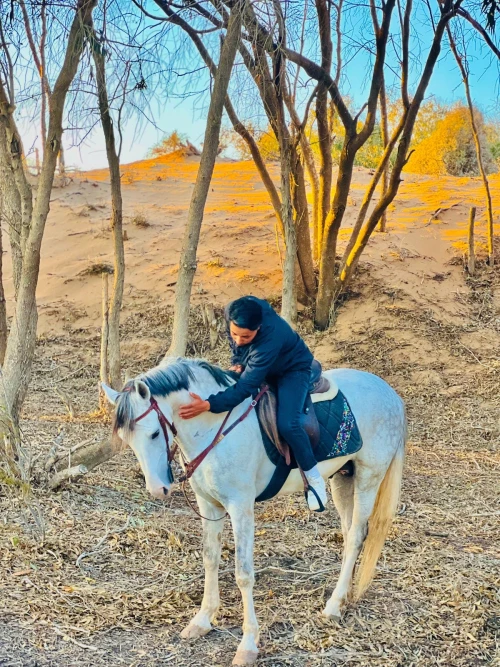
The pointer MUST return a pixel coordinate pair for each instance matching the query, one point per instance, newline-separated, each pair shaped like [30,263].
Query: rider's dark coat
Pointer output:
[275,351]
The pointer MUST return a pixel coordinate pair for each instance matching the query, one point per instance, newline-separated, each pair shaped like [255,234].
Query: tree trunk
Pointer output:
[11,211]
[384,124]
[324,135]
[287,163]
[309,162]
[314,182]
[104,366]
[187,264]
[114,360]
[211,323]
[289,293]
[302,233]
[235,121]
[381,167]
[326,166]
[81,461]
[3,308]
[267,89]
[22,336]
[477,143]
[353,141]
[18,196]
[325,296]
[62,163]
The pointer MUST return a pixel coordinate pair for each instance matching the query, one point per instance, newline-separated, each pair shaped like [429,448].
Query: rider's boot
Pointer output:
[316,493]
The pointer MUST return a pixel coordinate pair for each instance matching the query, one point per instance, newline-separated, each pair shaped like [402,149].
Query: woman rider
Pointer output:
[265,347]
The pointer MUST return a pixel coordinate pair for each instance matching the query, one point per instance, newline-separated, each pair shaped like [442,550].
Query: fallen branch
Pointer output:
[438,212]
[81,459]
[67,474]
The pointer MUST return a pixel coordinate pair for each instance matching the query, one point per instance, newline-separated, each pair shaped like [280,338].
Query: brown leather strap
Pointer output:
[163,423]
[192,465]
[194,508]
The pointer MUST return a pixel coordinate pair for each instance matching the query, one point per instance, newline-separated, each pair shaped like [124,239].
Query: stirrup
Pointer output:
[308,488]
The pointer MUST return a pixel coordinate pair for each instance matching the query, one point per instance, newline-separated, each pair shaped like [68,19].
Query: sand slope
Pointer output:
[238,251]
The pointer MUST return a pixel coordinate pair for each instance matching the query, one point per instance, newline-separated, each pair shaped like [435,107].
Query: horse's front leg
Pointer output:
[242,519]
[212,541]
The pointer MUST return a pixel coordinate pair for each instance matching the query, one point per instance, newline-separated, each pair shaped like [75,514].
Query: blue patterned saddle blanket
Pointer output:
[339,436]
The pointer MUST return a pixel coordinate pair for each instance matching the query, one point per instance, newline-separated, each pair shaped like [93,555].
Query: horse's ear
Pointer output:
[142,389]
[111,394]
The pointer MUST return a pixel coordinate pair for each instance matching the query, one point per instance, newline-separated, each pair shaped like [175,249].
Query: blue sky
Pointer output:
[188,115]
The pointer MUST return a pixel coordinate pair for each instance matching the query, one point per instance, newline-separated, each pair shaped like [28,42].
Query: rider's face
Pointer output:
[241,336]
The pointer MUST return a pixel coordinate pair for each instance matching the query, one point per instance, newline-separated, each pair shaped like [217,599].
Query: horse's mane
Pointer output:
[163,380]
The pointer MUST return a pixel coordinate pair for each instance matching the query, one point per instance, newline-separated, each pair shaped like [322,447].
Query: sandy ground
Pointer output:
[412,316]
[238,249]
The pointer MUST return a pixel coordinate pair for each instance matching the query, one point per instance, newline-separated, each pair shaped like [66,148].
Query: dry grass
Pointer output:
[118,574]
[139,220]
[95,269]
[215,263]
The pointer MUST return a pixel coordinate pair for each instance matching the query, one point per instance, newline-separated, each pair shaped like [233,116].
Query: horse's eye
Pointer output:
[155,435]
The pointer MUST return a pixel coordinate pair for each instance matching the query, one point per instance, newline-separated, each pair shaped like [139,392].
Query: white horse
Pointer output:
[237,470]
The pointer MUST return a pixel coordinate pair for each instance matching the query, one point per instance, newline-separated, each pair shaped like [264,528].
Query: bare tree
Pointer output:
[38,55]
[289,301]
[22,336]
[257,49]
[323,9]
[113,338]
[464,71]
[187,264]
[405,131]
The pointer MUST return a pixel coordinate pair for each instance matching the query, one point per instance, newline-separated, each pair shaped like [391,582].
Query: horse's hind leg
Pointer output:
[365,495]
[212,541]
[342,489]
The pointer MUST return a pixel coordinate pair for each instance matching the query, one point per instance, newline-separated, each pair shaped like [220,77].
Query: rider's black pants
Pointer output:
[292,391]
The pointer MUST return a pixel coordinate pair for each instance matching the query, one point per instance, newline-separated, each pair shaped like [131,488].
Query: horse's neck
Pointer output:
[194,435]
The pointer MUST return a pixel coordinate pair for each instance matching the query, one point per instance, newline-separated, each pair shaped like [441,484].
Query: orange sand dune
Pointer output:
[238,251]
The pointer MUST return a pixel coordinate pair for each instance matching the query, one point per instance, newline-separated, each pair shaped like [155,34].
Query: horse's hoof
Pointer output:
[193,631]
[332,612]
[243,658]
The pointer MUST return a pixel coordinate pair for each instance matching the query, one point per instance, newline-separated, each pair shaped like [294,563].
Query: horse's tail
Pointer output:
[384,510]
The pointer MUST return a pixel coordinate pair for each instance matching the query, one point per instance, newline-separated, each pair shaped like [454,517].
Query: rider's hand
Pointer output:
[195,408]
[237,368]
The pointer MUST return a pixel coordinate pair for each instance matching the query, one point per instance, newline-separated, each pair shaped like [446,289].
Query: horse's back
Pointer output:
[375,404]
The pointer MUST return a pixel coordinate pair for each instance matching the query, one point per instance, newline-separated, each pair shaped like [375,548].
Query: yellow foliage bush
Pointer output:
[171,143]
[450,148]
[442,140]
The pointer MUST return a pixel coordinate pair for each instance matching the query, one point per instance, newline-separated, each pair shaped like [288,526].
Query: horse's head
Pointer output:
[139,423]
[145,435]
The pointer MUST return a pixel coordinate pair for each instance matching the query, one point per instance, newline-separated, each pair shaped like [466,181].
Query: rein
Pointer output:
[191,466]
[221,434]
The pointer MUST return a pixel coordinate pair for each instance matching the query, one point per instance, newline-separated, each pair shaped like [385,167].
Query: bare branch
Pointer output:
[479,28]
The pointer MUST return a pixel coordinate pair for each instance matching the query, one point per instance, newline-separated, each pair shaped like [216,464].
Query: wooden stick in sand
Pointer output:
[471,263]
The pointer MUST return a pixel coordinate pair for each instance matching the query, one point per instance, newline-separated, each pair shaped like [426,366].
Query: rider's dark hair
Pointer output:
[246,313]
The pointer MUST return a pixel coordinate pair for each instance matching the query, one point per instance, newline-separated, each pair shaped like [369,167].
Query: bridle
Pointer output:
[191,466]
[163,423]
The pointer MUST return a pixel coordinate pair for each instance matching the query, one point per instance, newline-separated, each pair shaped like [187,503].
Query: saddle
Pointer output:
[320,389]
